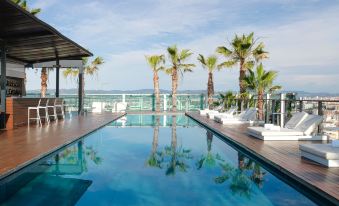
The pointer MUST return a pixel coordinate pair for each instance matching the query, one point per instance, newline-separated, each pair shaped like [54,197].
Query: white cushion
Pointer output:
[204,111]
[120,106]
[261,131]
[325,151]
[97,107]
[295,120]
[309,124]
[252,115]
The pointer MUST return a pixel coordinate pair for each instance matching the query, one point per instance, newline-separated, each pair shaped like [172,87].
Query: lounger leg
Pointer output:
[28,117]
[38,114]
[54,113]
[47,115]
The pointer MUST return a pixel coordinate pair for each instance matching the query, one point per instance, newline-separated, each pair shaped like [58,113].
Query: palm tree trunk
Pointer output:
[260,105]
[174,132]
[242,88]
[156,135]
[44,78]
[209,135]
[242,75]
[174,89]
[241,161]
[156,91]
[210,89]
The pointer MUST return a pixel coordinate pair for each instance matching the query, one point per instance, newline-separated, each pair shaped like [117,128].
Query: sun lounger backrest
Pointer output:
[218,108]
[295,120]
[231,110]
[252,116]
[309,124]
[249,114]
[243,113]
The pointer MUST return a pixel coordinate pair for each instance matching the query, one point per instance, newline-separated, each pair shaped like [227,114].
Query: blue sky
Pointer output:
[301,36]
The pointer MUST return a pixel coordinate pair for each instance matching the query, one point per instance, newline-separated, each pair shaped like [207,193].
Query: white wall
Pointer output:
[15,70]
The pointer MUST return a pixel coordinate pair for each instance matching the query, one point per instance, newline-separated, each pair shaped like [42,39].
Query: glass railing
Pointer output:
[135,102]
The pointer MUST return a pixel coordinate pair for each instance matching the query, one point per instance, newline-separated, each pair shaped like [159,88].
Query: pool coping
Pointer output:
[284,171]
[71,140]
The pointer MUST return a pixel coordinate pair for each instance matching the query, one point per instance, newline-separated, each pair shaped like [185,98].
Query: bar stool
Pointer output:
[59,103]
[54,115]
[46,117]
[37,109]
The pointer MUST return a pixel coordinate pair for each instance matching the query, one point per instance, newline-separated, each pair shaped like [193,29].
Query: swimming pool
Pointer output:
[148,160]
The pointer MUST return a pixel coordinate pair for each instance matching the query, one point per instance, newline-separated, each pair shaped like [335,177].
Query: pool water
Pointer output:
[148,160]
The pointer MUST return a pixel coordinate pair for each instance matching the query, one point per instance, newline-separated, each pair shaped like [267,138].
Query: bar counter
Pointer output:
[17,110]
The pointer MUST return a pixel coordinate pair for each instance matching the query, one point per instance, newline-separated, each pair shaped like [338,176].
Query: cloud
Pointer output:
[301,38]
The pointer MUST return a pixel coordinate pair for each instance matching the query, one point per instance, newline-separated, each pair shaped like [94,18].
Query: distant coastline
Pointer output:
[149,91]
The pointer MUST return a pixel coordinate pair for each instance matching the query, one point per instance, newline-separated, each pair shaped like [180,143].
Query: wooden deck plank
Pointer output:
[281,155]
[24,145]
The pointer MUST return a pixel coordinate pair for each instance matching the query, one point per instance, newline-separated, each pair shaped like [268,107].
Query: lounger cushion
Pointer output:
[252,115]
[204,111]
[325,151]
[261,131]
[310,123]
[295,120]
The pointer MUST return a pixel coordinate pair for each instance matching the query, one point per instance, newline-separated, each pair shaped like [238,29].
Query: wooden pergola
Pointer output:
[27,40]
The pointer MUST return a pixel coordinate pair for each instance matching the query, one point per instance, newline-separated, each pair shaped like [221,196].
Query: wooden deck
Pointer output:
[283,156]
[24,145]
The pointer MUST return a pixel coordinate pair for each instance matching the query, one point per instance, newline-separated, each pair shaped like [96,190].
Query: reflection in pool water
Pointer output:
[163,161]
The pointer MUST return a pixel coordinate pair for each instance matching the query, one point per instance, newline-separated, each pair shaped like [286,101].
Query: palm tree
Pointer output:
[209,160]
[260,81]
[90,69]
[23,4]
[156,63]
[177,59]
[44,79]
[227,100]
[244,51]
[154,160]
[176,156]
[209,63]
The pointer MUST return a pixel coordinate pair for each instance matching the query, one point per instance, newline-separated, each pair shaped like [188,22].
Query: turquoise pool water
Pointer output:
[148,160]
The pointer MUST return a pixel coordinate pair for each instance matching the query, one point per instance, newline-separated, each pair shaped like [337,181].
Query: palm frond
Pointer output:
[224,51]
[227,64]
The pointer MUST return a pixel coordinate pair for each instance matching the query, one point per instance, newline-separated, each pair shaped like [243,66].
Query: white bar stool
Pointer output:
[59,104]
[54,115]
[46,111]
[37,109]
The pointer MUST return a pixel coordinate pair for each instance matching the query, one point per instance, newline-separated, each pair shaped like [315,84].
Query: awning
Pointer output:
[30,40]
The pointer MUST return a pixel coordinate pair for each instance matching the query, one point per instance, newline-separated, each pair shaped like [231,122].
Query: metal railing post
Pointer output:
[282,109]
[320,108]
[267,116]
[165,102]
[124,98]
[153,102]
[273,110]
[301,105]
[202,101]
[321,113]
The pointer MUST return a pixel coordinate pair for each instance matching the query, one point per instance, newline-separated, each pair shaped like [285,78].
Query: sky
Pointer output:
[301,37]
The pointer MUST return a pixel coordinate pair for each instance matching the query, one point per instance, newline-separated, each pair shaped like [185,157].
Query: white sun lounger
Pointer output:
[324,154]
[205,111]
[248,116]
[300,127]
[229,112]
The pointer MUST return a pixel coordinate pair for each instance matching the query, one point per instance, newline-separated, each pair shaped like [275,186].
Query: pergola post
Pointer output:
[57,88]
[3,82]
[81,90]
